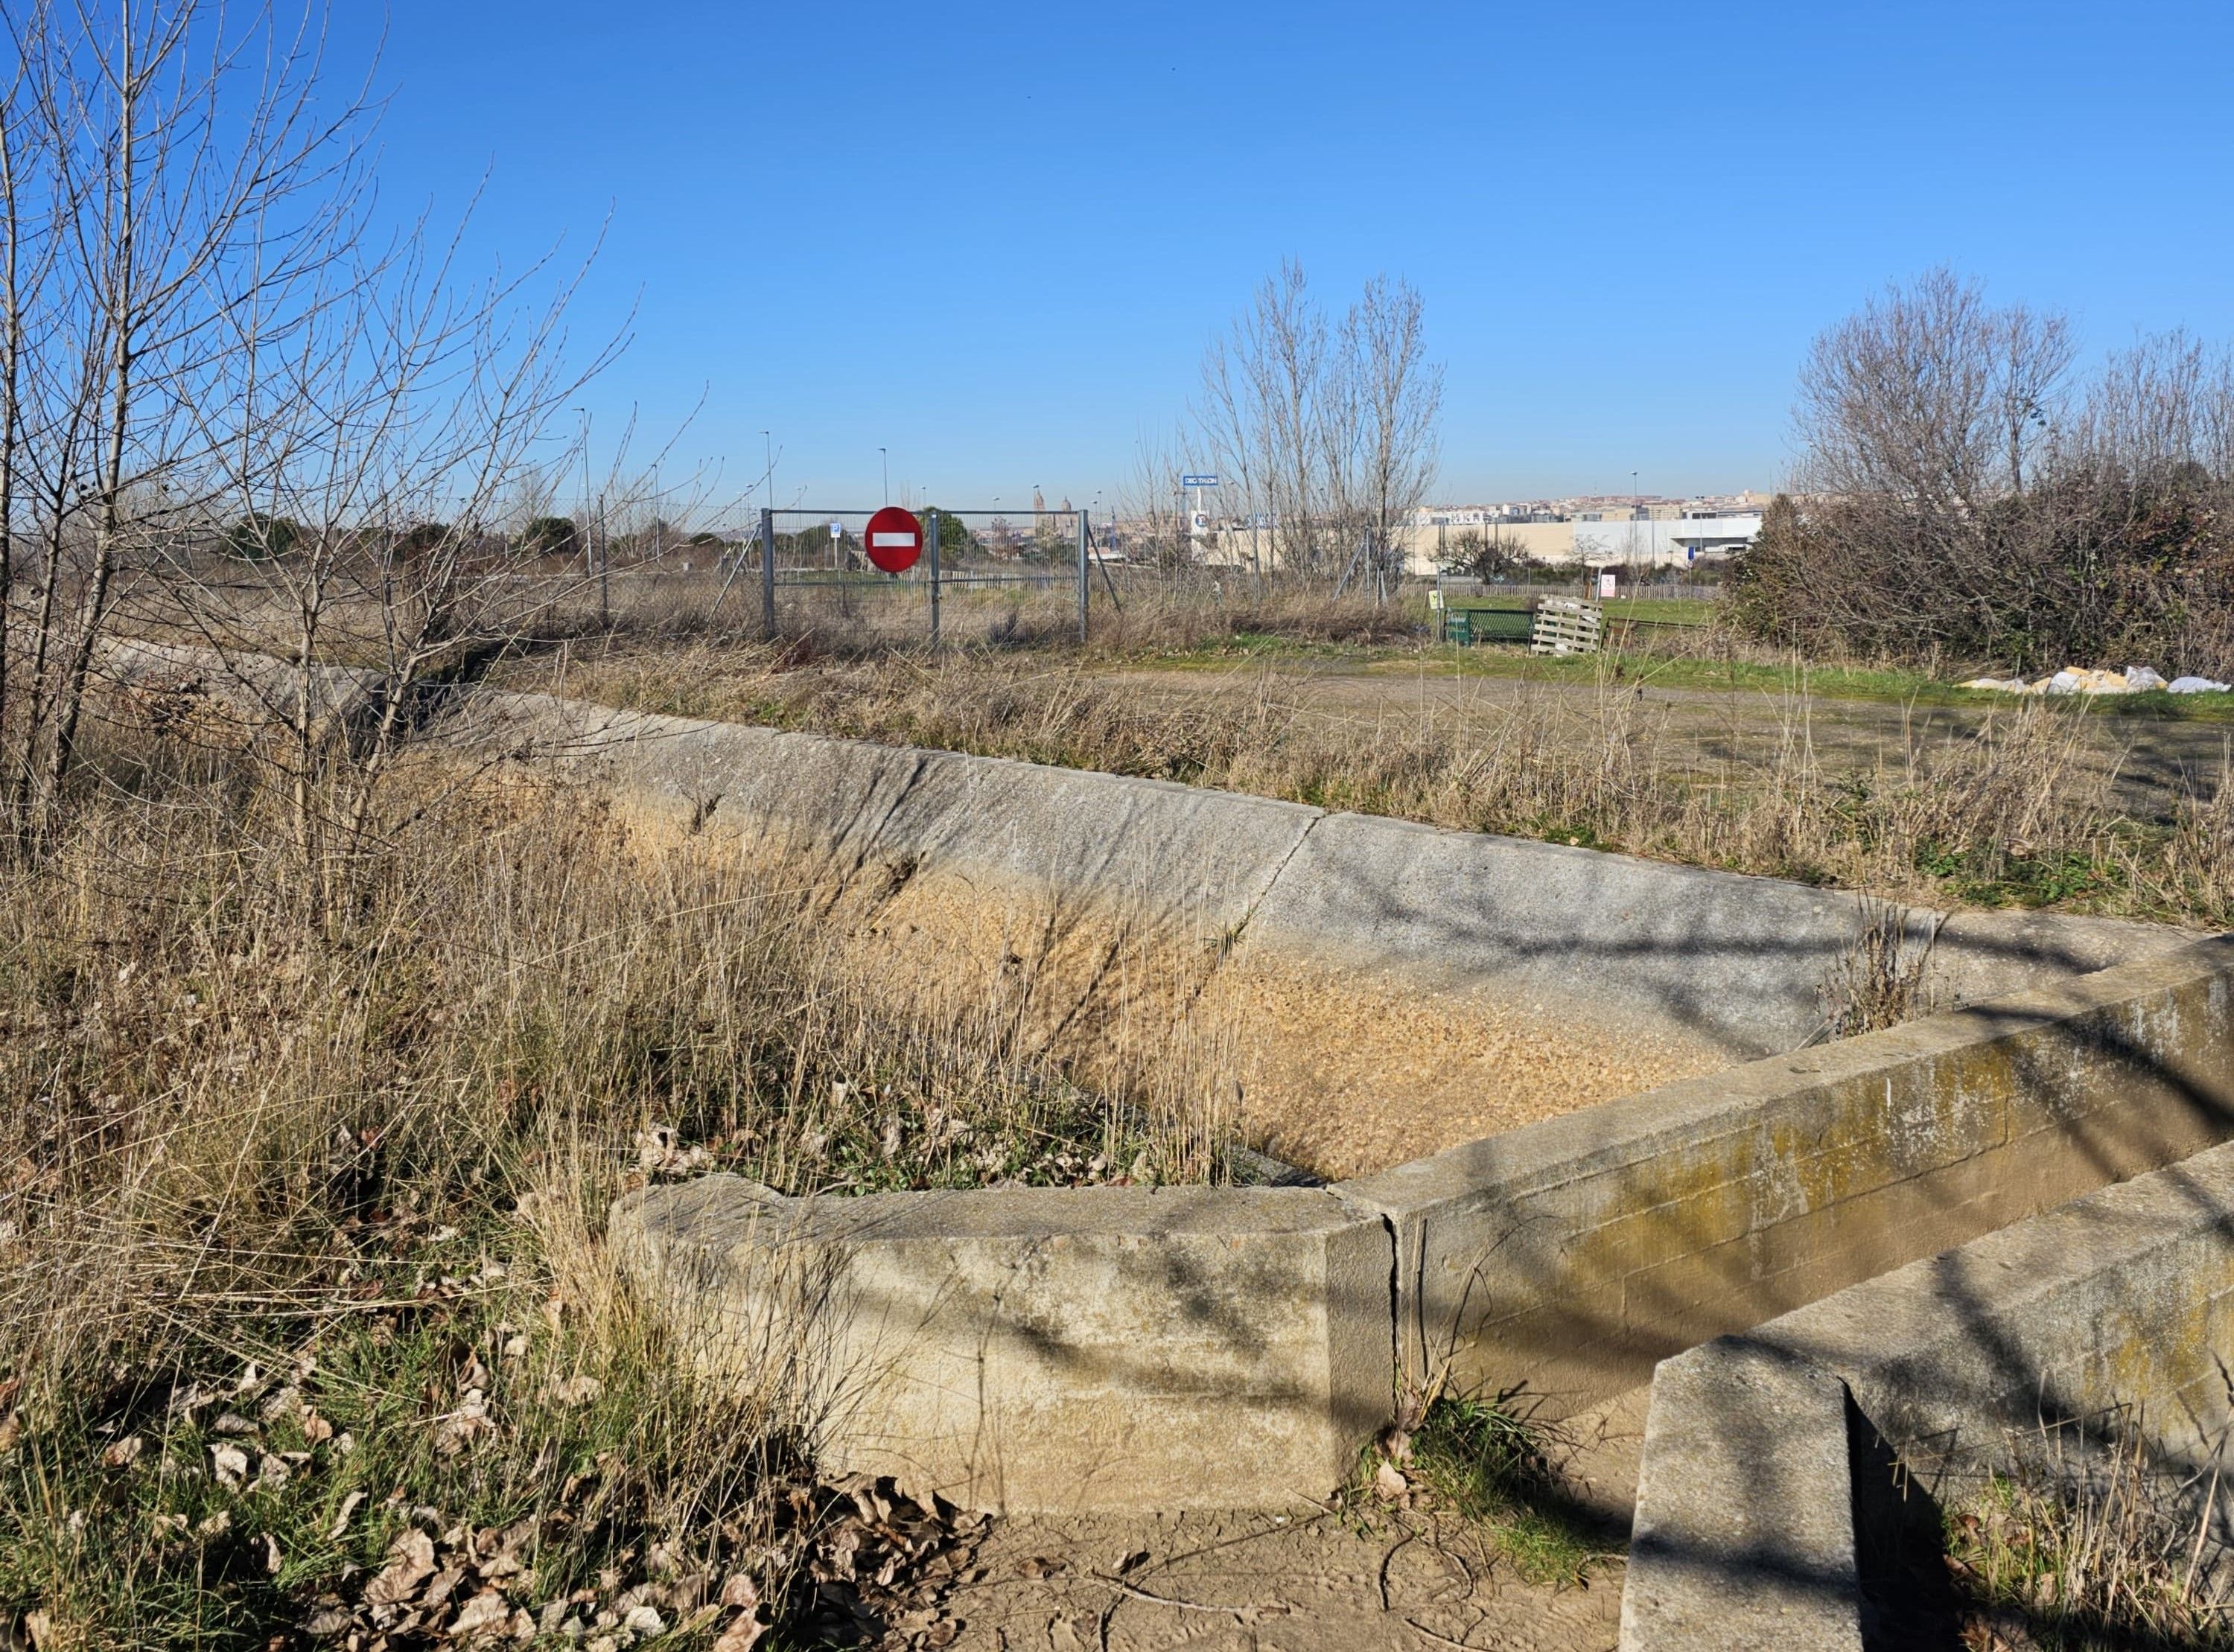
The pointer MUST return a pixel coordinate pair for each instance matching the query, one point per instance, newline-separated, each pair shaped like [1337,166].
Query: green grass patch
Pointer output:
[1480,1460]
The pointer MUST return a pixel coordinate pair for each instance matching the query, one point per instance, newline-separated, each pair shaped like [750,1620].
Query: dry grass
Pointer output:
[2019,814]
[2112,1557]
[299,1234]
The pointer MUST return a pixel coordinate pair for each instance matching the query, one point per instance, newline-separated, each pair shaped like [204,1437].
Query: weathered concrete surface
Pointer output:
[2109,1320]
[1744,1536]
[1047,1349]
[242,687]
[1736,961]
[1731,963]
[2115,1313]
[1183,854]
[1575,1254]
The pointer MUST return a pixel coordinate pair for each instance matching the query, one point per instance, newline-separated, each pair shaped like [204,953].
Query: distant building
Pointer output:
[1600,530]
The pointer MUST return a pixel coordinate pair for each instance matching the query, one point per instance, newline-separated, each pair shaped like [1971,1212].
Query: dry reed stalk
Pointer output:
[373,1145]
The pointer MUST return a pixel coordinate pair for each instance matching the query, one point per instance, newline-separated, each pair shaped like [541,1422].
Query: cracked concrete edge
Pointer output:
[2107,1322]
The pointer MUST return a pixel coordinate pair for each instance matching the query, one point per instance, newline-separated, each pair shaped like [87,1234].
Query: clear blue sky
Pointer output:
[996,239]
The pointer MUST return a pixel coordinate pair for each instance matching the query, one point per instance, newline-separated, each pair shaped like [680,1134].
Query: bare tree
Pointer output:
[234,410]
[1261,411]
[1329,436]
[169,213]
[1396,397]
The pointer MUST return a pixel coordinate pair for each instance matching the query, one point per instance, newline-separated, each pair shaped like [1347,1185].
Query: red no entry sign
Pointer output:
[895,540]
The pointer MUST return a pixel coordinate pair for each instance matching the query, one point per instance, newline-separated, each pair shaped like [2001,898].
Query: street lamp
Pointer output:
[886,454]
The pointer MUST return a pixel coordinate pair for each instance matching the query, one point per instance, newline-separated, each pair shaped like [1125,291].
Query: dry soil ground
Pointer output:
[1372,1578]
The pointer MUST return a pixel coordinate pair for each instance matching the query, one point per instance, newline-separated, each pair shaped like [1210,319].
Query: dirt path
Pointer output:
[1310,1582]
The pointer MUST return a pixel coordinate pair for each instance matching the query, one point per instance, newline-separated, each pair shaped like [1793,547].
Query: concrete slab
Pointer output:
[1047,1349]
[1744,1537]
[2109,1321]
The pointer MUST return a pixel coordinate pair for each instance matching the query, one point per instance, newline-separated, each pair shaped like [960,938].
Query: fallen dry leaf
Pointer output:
[410,1563]
[1389,1481]
[270,1554]
[329,1621]
[230,1465]
[125,1453]
[577,1390]
[742,1635]
[342,1520]
[485,1614]
[739,1590]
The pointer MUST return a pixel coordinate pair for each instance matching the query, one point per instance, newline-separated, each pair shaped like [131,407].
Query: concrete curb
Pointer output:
[2110,1317]
[1047,1348]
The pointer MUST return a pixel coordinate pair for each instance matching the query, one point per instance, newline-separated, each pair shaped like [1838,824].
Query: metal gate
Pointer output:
[810,549]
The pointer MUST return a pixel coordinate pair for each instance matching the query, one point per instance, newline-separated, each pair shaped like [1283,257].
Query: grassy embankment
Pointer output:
[2019,813]
[307,1328]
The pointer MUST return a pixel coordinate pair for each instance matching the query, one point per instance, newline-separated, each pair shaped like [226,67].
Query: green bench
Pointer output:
[1471,625]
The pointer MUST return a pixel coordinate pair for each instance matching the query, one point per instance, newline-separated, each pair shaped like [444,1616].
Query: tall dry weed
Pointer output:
[300,1228]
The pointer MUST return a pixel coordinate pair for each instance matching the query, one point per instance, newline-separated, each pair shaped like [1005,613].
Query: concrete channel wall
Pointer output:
[1054,1349]
[1566,1257]
[2109,1318]
[1574,1255]
[1739,961]
[1048,1348]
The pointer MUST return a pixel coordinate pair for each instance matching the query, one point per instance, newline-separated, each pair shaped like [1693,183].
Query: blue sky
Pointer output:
[996,239]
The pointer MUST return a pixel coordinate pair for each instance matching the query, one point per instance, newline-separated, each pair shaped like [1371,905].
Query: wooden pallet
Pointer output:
[1567,625]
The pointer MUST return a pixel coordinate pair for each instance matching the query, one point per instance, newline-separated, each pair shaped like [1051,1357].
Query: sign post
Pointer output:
[1196,521]
[768,574]
[932,517]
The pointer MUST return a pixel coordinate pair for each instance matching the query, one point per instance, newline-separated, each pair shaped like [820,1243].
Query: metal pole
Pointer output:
[768,574]
[930,530]
[1085,591]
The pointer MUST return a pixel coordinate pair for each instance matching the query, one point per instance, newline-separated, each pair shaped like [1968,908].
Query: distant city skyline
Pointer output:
[989,246]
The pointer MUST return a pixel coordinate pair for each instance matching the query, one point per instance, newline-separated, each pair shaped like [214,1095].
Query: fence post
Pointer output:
[1085,591]
[930,531]
[768,574]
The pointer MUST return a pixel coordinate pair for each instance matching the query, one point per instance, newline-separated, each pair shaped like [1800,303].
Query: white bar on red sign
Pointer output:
[901,539]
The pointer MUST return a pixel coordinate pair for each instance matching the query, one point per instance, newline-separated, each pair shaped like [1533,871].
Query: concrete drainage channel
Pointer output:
[1767,1456]
[1116,1349]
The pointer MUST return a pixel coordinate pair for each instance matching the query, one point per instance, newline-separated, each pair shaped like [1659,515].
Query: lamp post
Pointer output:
[887,454]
